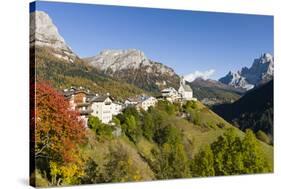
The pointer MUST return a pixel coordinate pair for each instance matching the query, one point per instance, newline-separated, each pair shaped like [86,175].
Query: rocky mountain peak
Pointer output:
[44,33]
[260,72]
[120,60]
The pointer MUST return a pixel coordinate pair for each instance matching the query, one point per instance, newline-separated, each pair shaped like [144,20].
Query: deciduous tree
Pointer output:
[58,129]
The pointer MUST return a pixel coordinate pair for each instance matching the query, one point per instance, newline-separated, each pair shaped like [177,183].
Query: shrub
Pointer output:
[120,166]
[263,137]
[131,128]
[103,131]
[171,162]
[203,163]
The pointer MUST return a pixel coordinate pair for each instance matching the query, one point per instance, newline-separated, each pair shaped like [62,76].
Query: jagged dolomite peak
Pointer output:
[260,72]
[118,60]
[44,33]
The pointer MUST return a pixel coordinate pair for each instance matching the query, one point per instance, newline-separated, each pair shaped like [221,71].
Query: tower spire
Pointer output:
[182,81]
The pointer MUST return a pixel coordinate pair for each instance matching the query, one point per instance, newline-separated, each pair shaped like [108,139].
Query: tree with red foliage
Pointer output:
[58,130]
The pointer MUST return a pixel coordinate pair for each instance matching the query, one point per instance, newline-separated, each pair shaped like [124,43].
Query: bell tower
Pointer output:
[182,82]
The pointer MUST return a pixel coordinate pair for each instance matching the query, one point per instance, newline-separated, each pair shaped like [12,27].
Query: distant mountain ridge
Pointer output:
[134,67]
[260,72]
[116,60]
[212,92]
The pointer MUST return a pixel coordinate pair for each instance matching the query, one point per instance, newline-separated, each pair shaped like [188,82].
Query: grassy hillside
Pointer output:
[195,134]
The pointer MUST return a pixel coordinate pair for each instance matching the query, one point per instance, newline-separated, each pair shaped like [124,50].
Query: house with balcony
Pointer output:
[102,108]
[170,94]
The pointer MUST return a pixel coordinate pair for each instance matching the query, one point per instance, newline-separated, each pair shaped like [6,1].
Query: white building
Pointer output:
[185,91]
[116,108]
[102,108]
[141,102]
[131,102]
[146,102]
[170,94]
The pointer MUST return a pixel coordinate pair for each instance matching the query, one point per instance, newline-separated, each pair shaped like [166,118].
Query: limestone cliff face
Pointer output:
[116,60]
[134,67]
[44,33]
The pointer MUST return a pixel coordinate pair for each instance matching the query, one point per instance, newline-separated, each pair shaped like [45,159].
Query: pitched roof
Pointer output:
[138,99]
[100,98]
[168,90]
[82,104]
[70,92]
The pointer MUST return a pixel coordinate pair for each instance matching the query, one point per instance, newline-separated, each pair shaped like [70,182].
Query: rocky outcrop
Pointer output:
[117,60]
[44,33]
[134,67]
[260,72]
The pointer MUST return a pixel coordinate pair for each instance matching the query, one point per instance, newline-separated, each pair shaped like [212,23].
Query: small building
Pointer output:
[116,108]
[131,102]
[185,91]
[141,102]
[78,101]
[170,94]
[102,108]
[146,102]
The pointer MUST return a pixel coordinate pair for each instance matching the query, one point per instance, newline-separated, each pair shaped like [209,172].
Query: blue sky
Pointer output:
[187,41]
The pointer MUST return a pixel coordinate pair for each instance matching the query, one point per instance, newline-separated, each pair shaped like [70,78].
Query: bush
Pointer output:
[234,156]
[171,162]
[263,137]
[92,173]
[168,134]
[94,123]
[38,180]
[203,163]
[103,131]
[195,118]
[131,128]
[167,107]
[190,104]
[148,126]
[120,166]
[221,125]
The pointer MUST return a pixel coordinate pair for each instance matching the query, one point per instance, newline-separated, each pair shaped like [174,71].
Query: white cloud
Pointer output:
[204,75]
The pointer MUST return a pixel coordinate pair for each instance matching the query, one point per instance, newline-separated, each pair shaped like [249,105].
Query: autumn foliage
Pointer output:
[58,129]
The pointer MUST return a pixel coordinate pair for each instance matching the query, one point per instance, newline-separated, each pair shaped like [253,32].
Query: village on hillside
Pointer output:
[105,107]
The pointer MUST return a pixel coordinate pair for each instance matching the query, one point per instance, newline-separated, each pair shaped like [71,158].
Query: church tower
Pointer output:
[185,90]
[182,82]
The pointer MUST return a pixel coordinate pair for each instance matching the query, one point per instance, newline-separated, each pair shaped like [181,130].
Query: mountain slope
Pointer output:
[198,134]
[260,72]
[134,67]
[58,64]
[62,75]
[44,33]
[212,92]
[254,110]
